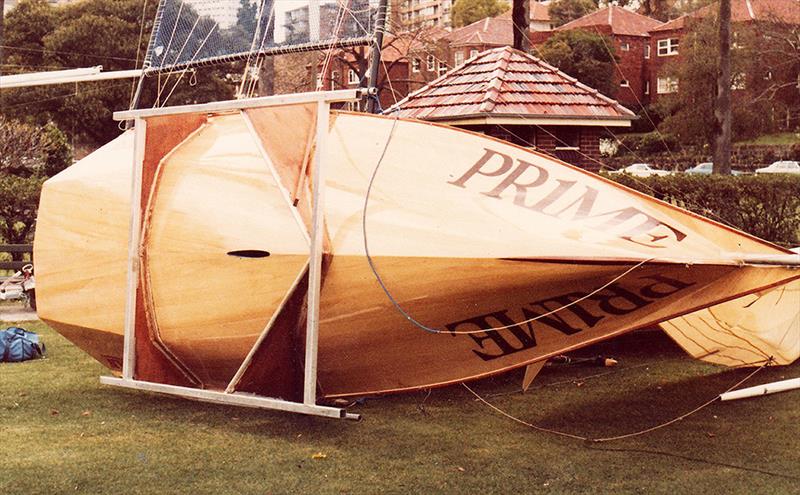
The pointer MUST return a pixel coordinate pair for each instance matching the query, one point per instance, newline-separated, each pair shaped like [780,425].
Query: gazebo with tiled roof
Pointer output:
[515,96]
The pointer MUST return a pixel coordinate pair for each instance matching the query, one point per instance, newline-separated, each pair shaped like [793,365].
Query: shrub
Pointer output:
[765,206]
[650,142]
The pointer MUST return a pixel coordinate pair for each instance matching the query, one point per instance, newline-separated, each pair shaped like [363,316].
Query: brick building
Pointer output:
[492,32]
[630,35]
[414,14]
[514,96]
[665,39]
[409,61]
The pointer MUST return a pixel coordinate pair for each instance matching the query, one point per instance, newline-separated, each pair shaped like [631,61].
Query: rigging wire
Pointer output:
[388,293]
[642,183]
[61,52]
[68,95]
[259,14]
[178,56]
[404,312]
[596,440]
[138,52]
[329,51]
[183,72]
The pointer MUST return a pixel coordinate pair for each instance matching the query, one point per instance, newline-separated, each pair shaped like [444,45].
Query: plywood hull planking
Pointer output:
[467,233]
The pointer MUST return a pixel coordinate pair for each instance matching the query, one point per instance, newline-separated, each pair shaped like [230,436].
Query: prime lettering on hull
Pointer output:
[569,200]
[569,314]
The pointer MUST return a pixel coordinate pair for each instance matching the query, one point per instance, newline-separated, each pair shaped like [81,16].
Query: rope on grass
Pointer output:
[617,437]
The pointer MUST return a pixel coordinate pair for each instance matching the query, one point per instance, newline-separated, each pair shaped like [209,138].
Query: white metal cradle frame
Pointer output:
[323,99]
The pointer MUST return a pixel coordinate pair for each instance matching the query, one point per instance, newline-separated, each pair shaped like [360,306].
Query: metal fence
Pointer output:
[14,249]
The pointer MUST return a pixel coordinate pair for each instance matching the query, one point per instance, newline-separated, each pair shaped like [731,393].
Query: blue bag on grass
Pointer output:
[18,344]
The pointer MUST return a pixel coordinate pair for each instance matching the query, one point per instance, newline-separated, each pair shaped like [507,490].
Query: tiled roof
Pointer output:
[492,31]
[539,12]
[677,23]
[509,83]
[622,22]
[744,11]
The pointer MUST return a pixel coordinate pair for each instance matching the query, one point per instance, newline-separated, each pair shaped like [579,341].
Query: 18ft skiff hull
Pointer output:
[467,233]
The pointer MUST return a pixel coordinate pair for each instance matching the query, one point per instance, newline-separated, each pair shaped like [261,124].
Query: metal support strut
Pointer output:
[323,99]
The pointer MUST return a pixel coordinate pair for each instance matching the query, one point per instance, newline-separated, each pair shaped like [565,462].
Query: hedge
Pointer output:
[767,206]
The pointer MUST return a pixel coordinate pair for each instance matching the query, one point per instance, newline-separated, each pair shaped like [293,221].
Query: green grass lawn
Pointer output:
[778,138]
[62,432]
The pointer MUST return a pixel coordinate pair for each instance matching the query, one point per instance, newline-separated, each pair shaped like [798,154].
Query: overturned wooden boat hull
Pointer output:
[504,255]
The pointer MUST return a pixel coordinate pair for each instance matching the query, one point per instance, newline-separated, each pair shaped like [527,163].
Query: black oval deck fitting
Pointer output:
[249,253]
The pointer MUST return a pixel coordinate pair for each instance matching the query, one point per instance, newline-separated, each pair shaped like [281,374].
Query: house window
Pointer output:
[646,51]
[472,53]
[738,81]
[567,138]
[735,45]
[441,67]
[431,63]
[667,47]
[625,47]
[625,83]
[647,87]
[459,58]
[352,77]
[334,77]
[667,85]
[415,65]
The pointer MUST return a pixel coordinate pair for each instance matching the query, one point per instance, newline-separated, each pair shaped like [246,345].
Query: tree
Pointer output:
[28,155]
[24,29]
[722,105]
[764,65]
[85,34]
[586,56]
[418,44]
[664,10]
[563,11]
[466,12]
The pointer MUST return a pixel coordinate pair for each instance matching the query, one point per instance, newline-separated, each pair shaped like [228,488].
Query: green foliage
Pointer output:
[764,206]
[781,138]
[59,151]
[588,57]
[764,78]
[19,202]
[28,154]
[85,34]
[25,27]
[649,142]
[664,10]
[466,12]
[563,11]
[246,18]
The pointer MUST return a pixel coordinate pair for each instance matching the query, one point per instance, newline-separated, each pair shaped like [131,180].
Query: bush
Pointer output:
[764,206]
[650,142]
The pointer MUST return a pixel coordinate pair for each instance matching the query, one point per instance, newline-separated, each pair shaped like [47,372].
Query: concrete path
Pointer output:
[14,314]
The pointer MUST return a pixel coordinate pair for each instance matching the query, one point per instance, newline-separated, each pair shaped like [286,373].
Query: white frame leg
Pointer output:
[309,405]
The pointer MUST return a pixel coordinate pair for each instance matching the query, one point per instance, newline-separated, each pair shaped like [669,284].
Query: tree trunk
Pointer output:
[266,77]
[373,102]
[2,21]
[520,16]
[722,110]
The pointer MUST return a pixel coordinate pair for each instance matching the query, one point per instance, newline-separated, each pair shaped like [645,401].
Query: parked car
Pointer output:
[706,168]
[20,286]
[640,170]
[781,167]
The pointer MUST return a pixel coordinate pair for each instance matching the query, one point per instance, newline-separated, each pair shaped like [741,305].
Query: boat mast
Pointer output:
[373,103]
